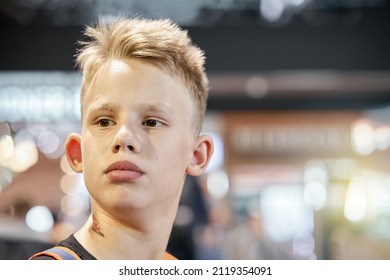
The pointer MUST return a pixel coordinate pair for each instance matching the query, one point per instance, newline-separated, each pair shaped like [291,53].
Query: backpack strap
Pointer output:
[64,253]
[58,253]
[168,256]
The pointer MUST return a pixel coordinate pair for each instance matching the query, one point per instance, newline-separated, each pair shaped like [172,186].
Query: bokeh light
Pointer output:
[40,219]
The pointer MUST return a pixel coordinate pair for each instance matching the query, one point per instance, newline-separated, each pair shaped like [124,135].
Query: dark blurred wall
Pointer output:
[341,41]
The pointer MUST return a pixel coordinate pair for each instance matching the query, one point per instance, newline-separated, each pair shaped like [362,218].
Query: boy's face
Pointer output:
[137,137]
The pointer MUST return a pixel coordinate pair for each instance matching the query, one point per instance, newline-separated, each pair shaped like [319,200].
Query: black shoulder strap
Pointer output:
[58,253]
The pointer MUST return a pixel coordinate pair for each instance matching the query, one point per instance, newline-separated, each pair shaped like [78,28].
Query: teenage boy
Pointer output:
[143,101]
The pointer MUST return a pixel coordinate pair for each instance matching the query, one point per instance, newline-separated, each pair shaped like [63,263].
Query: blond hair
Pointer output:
[160,42]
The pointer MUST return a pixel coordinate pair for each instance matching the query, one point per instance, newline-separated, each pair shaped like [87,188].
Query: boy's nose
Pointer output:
[124,139]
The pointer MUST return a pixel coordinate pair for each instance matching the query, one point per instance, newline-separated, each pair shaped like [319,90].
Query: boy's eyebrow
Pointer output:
[157,108]
[108,107]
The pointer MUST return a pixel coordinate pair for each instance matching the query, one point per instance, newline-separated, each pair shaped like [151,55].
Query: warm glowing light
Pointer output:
[363,141]
[257,87]
[315,178]
[285,217]
[69,183]
[315,194]
[344,168]
[382,138]
[315,170]
[73,204]
[6,147]
[355,208]
[50,144]
[218,184]
[25,156]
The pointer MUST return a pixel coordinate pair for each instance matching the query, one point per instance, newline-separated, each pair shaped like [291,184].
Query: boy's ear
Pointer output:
[201,155]
[73,152]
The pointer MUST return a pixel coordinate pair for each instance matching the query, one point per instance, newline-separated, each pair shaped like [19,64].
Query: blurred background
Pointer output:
[299,110]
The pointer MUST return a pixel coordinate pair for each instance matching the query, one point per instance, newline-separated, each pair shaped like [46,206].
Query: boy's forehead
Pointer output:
[115,68]
[131,66]
[126,66]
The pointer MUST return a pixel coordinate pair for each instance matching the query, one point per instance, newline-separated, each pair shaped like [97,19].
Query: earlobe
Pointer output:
[201,155]
[73,152]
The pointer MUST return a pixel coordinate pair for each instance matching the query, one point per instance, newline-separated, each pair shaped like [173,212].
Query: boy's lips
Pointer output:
[122,171]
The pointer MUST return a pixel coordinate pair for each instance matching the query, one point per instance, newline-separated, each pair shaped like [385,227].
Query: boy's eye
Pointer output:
[152,123]
[106,122]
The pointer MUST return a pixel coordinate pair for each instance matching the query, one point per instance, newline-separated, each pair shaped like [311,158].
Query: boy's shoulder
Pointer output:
[67,249]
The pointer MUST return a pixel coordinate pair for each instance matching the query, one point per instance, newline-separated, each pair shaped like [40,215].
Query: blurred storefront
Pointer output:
[303,185]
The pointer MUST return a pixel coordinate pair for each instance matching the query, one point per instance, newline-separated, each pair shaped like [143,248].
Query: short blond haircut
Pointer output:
[160,42]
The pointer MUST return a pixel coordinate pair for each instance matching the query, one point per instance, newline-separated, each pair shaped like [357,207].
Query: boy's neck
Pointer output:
[106,238]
